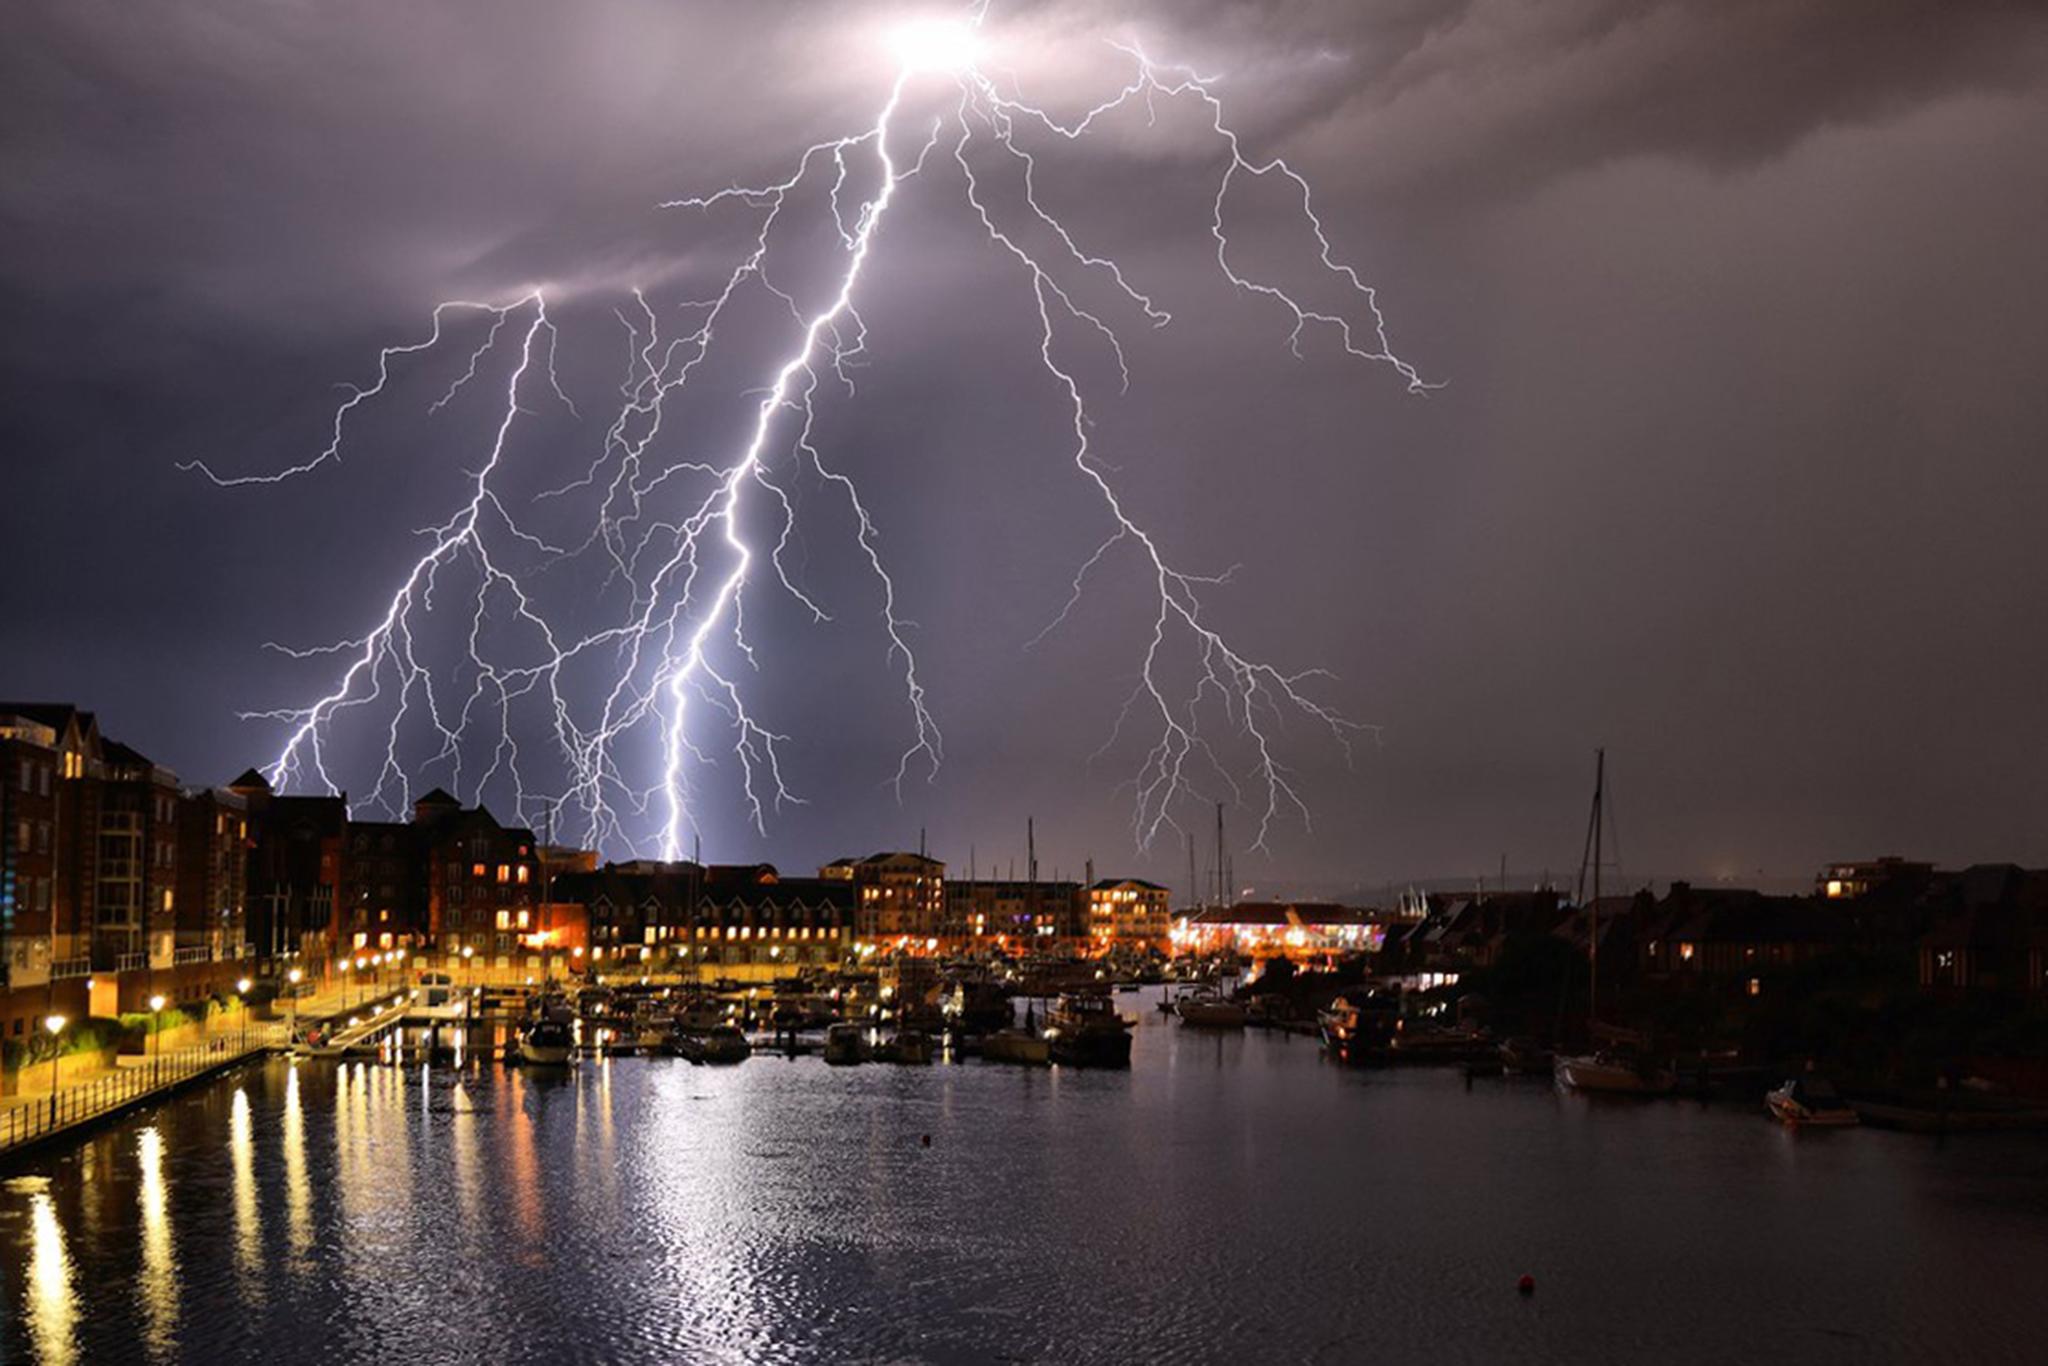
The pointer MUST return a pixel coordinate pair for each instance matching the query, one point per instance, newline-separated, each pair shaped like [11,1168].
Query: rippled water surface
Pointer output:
[1228,1199]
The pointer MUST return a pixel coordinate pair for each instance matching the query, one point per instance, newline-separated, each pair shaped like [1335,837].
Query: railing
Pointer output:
[64,969]
[198,953]
[130,962]
[26,1122]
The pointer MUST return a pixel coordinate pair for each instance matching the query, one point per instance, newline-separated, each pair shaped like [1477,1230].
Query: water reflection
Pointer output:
[52,1310]
[248,1219]
[1256,1205]
[298,1191]
[159,1282]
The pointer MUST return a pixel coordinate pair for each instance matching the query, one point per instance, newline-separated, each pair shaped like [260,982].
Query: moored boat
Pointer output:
[847,1045]
[546,1042]
[912,1046]
[1084,1030]
[719,1044]
[1208,1010]
[1016,1045]
[1614,1073]
[1810,1102]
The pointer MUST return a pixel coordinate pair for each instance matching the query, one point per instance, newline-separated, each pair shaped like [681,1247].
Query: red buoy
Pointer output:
[927,1140]
[1527,1285]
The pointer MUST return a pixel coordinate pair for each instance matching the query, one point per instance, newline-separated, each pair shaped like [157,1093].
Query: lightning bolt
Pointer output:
[679,564]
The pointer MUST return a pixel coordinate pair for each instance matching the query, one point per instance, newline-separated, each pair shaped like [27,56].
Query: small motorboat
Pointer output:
[1615,1073]
[847,1045]
[1208,1010]
[718,1045]
[911,1046]
[1084,1030]
[1811,1103]
[546,1042]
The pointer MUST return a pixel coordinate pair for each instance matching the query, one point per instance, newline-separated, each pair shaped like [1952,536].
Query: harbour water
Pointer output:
[1229,1198]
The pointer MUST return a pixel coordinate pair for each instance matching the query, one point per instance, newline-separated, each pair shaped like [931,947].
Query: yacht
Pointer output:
[912,1046]
[847,1044]
[548,1038]
[1207,1009]
[438,998]
[719,1044]
[546,1042]
[1810,1102]
[1084,1030]
[1614,1072]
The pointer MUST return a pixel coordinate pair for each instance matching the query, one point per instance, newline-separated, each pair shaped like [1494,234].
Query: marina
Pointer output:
[644,1209]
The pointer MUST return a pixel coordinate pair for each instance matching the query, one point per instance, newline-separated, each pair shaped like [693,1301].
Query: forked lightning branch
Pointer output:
[615,765]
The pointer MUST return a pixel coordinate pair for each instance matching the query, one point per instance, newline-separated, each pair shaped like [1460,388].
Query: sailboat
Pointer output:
[1612,1070]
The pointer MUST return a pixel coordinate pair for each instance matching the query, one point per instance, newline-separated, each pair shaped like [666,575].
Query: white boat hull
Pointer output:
[1598,1074]
[1211,1014]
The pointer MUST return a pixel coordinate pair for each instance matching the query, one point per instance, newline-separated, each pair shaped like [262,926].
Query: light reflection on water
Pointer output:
[158,1285]
[52,1308]
[1229,1198]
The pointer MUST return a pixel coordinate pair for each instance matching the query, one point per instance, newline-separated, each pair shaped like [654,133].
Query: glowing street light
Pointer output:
[156,1009]
[55,1024]
[242,990]
[294,977]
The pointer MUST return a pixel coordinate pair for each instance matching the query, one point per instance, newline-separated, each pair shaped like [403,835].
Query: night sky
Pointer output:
[1737,468]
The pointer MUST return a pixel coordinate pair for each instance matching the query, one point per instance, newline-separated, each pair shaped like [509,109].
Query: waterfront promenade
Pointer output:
[37,1113]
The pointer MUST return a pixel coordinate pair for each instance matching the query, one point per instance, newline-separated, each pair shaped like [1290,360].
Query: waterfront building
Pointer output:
[1269,929]
[29,802]
[744,921]
[751,923]
[1129,911]
[211,920]
[483,880]
[898,896]
[999,909]
[294,877]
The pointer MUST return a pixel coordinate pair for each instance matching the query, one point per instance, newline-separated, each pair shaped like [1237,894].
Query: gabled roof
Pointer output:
[1109,882]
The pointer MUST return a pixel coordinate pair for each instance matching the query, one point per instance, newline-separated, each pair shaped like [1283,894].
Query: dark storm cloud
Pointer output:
[1735,302]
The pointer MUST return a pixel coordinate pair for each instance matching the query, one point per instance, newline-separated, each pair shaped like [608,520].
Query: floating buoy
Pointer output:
[1527,1285]
[927,1140]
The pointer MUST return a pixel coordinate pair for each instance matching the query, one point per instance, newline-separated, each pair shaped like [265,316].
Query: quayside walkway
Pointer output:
[29,1120]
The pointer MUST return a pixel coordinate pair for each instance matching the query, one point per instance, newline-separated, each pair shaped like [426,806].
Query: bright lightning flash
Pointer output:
[673,534]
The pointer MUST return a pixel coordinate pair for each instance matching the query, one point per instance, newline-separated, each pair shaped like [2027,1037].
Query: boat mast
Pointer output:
[1220,875]
[1592,855]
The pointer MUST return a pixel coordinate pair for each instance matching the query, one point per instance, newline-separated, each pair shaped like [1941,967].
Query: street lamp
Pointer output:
[242,990]
[469,961]
[55,1024]
[156,1009]
[293,977]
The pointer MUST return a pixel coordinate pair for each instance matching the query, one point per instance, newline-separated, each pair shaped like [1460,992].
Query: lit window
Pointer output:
[524,872]
[504,872]
[522,920]
[1685,952]
[504,920]
[1756,986]
[478,870]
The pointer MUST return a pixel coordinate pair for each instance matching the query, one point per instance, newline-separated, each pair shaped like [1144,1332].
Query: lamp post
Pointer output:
[55,1024]
[469,962]
[242,990]
[156,1010]
[293,977]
